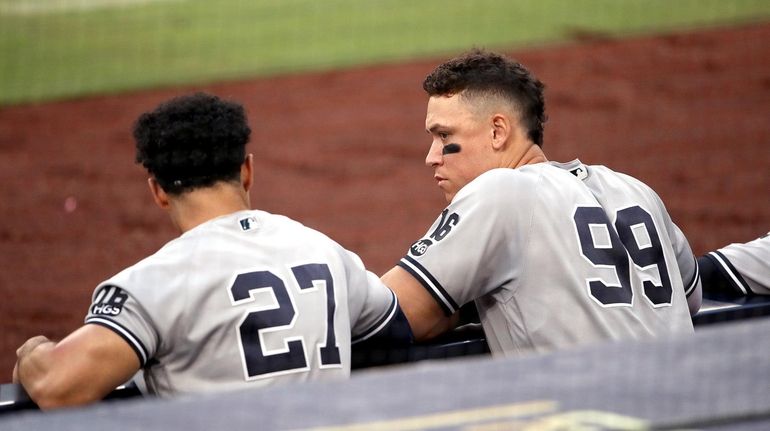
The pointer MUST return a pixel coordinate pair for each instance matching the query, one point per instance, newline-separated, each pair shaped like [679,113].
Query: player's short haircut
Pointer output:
[480,73]
[192,141]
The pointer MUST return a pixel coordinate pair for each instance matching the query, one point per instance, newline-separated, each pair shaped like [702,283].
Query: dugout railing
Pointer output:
[466,340]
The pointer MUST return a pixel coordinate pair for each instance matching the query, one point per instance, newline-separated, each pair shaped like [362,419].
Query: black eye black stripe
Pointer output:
[451,149]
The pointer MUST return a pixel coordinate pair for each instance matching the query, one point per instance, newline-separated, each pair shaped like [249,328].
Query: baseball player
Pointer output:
[552,254]
[242,298]
[738,269]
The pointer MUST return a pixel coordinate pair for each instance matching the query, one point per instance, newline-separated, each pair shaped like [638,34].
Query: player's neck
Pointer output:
[532,154]
[201,205]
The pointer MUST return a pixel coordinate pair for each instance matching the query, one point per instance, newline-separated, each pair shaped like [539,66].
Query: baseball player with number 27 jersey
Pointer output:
[253,297]
[242,298]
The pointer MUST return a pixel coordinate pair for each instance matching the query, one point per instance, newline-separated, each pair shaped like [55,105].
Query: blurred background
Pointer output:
[55,49]
[676,93]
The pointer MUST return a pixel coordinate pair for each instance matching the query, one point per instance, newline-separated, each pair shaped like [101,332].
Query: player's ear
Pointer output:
[501,131]
[158,194]
[247,172]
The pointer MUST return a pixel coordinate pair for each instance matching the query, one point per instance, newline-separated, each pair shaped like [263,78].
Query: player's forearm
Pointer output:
[41,369]
[425,317]
[438,327]
[34,369]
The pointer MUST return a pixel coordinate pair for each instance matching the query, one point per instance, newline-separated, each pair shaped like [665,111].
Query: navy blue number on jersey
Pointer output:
[445,225]
[305,275]
[258,363]
[604,245]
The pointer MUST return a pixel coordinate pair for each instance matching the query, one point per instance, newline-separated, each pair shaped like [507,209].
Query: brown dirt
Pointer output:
[342,152]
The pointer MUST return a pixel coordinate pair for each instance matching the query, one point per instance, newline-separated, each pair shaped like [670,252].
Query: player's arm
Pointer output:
[691,278]
[687,263]
[83,367]
[715,282]
[737,270]
[425,316]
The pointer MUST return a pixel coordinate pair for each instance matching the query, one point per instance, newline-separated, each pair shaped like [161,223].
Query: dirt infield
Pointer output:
[343,152]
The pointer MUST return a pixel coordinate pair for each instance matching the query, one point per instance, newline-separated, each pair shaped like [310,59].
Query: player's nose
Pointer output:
[434,157]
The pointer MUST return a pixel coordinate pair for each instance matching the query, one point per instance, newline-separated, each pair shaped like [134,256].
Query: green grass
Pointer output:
[61,53]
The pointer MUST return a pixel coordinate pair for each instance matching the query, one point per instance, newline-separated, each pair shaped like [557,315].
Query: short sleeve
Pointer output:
[372,305]
[686,260]
[746,266]
[115,309]
[464,253]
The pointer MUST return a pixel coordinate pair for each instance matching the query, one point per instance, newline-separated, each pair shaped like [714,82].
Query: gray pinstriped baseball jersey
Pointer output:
[558,254]
[245,299]
[746,265]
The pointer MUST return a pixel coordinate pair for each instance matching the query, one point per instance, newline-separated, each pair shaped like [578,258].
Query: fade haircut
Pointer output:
[480,73]
[192,141]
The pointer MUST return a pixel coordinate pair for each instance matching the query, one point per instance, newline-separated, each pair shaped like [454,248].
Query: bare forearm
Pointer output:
[34,366]
[441,326]
[425,317]
[82,368]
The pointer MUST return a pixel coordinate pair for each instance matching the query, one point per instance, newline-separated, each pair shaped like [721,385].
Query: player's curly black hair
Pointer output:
[192,141]
[480,72]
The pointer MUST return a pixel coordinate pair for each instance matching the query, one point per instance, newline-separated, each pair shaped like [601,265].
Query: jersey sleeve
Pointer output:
[114,308]
[464,253]
[374,310]
[738,269]
[686,260]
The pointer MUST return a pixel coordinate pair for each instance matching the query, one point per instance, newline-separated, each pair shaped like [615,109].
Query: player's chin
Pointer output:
[447,189]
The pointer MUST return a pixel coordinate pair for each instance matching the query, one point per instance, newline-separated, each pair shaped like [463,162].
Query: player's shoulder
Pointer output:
[154,269]
[248,223]
[608,174]
[620,183]
[502,179]
[291,228]
[175,258]
[501,191]
[296,234]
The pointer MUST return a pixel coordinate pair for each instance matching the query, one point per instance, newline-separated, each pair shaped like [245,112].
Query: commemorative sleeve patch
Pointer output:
[420,247]
[109,301]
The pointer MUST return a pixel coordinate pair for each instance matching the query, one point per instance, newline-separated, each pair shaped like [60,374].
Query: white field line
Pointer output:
[42,7]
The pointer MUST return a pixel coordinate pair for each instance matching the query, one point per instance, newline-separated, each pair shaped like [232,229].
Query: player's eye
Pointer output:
[443,135]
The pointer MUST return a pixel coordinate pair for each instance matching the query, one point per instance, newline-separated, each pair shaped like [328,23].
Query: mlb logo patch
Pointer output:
[580,172]
[248,223]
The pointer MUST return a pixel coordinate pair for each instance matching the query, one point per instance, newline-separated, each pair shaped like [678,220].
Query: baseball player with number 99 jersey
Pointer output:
[553,255]
[608,267]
